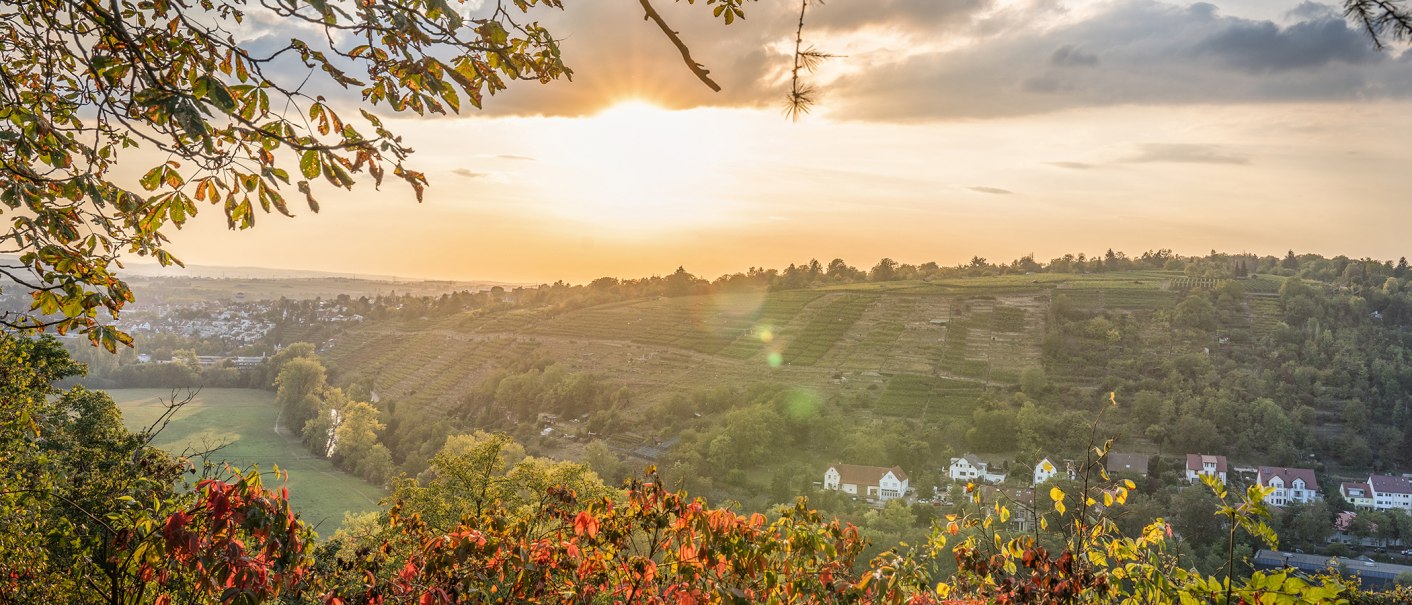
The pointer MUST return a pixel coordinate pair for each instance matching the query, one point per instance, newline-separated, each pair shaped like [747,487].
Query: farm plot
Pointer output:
[809,345]
[1264,284]
[1133,298]
[706,324]
[919,345]
[927,398]
[1265,314]
[871,342]
[779,310]
[1187,283]
[1008,319]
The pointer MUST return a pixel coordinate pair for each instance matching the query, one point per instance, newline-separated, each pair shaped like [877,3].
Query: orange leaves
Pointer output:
[657,548]
[585,523]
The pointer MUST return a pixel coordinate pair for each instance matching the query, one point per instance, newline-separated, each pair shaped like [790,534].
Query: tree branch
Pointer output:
[696,68]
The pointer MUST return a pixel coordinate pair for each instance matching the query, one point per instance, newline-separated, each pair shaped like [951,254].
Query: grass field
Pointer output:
[245,419]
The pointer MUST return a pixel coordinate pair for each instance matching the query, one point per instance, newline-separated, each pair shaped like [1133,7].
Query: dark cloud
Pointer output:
[468,173]
[1045,84]
[991,190]
[1068,55]
[1133,52]
[511,156]
[1185,153]
[1261,47]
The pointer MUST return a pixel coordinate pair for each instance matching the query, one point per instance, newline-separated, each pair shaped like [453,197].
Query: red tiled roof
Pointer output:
[1288,475]
[1196,462]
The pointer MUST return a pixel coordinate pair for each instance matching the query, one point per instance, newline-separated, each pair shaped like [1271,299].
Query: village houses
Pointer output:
[1291,485]
[1134,465]
[1358,495]
[871,482]
[1389,492]
[1045,470]
[1200,464]
[970,467]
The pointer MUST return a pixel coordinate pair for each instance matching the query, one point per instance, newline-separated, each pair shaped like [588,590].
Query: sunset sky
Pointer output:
[947,130]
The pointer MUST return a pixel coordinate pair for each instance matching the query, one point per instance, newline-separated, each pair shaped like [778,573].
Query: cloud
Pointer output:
[1074,165]
[1068,55]
[1185,153]
[1127,52]
[1263,47]
[511,156]
[928,15]
[470,174]
[991,190]
[919,60]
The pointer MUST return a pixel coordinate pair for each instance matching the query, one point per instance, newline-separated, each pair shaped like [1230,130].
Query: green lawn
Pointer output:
[245,419]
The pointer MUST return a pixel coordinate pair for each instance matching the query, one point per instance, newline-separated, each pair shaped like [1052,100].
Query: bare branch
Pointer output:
[696,68]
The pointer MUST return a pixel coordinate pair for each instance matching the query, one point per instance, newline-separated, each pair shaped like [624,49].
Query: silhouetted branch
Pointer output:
[696,68]
[1381,19]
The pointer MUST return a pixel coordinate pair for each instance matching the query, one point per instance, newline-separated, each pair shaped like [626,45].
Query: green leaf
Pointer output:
[309,164]
[214,90]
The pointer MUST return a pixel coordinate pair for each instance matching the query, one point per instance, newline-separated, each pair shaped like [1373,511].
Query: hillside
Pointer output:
[948,338]
[914,350]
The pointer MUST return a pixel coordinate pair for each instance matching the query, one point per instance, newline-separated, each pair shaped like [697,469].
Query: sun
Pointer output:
[639,167]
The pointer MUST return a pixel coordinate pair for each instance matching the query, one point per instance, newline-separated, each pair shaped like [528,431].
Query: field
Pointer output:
[244,419]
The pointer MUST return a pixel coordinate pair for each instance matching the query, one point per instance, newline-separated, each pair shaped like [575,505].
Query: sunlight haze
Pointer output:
[1087,136]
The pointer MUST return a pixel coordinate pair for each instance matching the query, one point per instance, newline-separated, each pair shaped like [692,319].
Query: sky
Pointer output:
[943,130]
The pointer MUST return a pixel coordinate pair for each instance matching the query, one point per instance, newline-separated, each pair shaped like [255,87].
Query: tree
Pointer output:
[92,513]
[84,83]
[300,384]
[885,270]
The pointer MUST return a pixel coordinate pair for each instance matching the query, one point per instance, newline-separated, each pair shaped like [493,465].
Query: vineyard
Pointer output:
[927,398]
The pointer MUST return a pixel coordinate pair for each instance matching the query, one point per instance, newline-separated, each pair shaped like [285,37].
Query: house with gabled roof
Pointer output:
[1357,494]
[1203,464]
[1291,485]
[1046,469]
[871,482]
[970,467]
[1127,464]
[1389,492]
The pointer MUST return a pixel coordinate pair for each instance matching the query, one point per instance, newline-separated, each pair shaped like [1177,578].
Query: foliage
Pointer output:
[652,546]
[92,513]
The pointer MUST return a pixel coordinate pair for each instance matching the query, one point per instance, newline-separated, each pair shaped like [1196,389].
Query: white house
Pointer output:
[970,467]
[871,482]
[1199,464]
[1389,492]
[1291,485]
[1045,470]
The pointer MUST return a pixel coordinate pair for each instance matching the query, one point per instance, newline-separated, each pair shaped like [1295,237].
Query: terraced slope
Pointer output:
[926,348]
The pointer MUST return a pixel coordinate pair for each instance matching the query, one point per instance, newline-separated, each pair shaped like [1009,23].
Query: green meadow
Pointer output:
[244,420]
